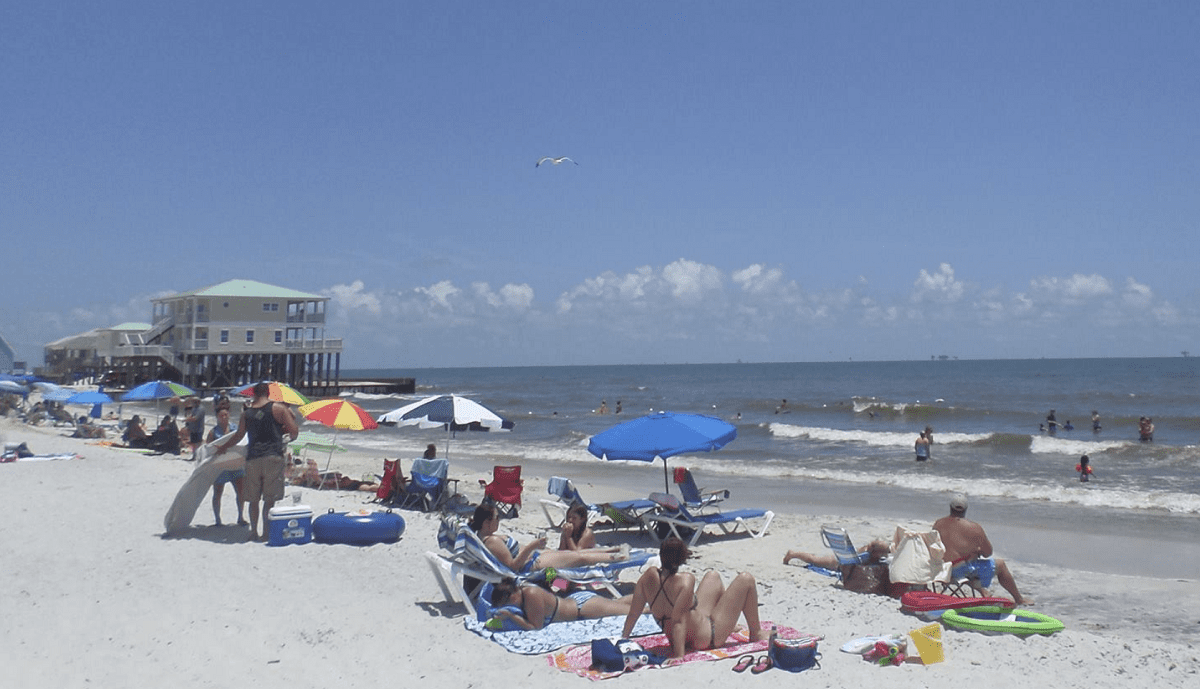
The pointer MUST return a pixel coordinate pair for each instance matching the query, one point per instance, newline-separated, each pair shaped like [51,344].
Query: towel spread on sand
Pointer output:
[560,634]
[578,659]
[42,458]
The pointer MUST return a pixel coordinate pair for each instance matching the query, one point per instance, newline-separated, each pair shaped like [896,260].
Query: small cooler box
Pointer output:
[288,525]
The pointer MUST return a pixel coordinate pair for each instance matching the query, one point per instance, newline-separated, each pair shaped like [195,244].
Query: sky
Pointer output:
[754,181]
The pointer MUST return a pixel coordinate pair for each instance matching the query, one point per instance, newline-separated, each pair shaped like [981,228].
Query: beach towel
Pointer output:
[12,457]
[578,659]
[209,466]
[560,634]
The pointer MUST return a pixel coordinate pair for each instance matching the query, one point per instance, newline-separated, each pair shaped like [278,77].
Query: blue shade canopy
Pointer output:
[13,387]
[90,397]
[662,434]
[157,390]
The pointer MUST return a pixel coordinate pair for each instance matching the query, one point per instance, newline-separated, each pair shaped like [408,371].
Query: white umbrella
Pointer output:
[454,412]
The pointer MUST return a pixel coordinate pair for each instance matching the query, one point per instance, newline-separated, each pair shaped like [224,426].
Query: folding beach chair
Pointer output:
[426,489]
[464,558]
[674,519]
[836,539]
[693,497]
[505,490]
[621,514]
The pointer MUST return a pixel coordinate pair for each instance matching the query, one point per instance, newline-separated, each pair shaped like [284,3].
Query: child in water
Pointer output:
[1084,468]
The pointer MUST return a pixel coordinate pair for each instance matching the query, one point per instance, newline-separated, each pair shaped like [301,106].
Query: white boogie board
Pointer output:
[208,467]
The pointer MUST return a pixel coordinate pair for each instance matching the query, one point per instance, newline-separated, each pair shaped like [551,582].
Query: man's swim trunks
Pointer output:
[981,568]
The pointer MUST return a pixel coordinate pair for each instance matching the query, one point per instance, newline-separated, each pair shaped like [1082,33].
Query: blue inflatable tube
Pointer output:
[357,528]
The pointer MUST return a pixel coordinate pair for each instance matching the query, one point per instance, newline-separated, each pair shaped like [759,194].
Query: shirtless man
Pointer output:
[970,551]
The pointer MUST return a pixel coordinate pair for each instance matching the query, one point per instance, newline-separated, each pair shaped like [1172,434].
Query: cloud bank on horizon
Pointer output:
[691,312]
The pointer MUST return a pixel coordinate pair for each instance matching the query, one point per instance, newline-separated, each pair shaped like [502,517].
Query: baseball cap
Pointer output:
[958,502]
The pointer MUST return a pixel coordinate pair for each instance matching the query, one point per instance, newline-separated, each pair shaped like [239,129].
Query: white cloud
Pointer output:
[1075,288]
[351,297]
[510,296]
[939,287]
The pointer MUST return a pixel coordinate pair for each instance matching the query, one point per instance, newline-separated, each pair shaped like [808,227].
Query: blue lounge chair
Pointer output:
[693,497]
[465,556]
[836,539]
[674,519]
[426,489]
[621,514]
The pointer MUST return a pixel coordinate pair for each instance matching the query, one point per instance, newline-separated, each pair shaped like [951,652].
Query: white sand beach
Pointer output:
[95,597]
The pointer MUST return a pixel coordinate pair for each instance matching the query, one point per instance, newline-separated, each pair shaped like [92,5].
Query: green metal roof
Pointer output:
[245,288]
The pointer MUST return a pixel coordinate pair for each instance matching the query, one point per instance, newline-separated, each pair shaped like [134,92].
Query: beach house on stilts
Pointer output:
[235,332]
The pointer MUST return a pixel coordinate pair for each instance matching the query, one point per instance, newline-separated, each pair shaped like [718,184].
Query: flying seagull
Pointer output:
[556,161]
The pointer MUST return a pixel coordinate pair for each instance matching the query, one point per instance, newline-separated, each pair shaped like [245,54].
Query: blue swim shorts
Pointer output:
[981,568]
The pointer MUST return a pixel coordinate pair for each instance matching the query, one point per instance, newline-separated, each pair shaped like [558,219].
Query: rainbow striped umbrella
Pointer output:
[338,414]
[280,392]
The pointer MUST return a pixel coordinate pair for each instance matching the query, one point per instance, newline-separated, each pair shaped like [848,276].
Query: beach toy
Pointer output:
[885,654]
[358,528]
[994,619]
[928,640]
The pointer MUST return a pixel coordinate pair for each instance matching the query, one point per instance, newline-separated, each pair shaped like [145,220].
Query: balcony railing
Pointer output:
[327,343]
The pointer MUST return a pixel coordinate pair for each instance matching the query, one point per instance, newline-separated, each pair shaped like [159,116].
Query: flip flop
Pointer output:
[761,665]
[743,663]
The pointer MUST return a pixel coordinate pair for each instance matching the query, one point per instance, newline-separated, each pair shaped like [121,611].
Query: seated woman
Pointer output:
[540,607]
[135,433]
[576,534]
[693,617]
[485,521]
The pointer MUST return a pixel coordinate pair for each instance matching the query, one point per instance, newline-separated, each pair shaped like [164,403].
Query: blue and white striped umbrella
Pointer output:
[450,411]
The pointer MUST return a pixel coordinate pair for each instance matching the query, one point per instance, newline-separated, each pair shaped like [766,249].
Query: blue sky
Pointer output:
[792,181]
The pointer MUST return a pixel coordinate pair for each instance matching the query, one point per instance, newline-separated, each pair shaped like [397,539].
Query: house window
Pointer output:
[224,337]
[249,337]
[270,306]
[278,337]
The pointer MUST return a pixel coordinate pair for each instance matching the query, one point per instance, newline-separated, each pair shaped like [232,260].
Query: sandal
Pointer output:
[743,663]
[762,665]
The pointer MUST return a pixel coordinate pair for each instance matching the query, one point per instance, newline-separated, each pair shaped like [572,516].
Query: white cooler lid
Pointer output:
[291,511]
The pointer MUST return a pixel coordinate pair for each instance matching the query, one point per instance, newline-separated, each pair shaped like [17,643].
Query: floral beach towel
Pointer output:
[578,659]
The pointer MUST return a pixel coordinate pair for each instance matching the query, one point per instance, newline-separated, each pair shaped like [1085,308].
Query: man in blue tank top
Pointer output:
[266,422]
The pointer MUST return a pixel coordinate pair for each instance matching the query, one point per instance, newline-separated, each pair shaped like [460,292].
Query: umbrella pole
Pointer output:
[666,483]
[328,461]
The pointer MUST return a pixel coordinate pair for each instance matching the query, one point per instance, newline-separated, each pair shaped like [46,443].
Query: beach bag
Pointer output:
[793,655]
[917,556]
[387,487]
[620,655]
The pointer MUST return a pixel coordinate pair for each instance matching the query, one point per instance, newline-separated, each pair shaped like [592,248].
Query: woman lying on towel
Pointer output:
[693,617]
[526,559]
[540,607]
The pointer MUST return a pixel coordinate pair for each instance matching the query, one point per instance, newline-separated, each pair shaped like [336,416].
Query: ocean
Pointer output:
[844,441]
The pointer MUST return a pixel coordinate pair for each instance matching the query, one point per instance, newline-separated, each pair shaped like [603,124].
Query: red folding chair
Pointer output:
[504,491]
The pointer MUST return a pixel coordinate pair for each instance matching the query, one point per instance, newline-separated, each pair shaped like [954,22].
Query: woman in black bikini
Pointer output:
[693,617]
[540,607]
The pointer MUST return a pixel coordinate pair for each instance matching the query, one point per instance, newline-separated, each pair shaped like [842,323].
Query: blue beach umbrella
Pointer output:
[89,397]
[662,434]
[157,390]
[13,387]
